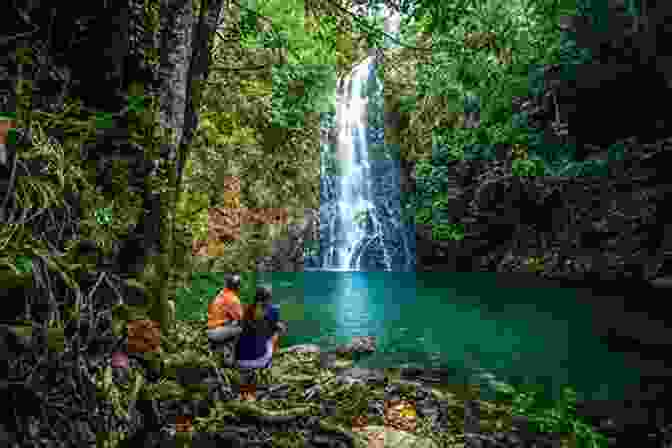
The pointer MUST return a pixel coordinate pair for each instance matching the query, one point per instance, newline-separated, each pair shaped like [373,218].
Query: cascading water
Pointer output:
[361,225]
[347,234]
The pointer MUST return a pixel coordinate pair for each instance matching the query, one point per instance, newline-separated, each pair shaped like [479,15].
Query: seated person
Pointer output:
[224,315]
[259,340]
[226,306]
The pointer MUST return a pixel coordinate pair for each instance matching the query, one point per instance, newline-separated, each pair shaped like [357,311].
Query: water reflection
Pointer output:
[419,324]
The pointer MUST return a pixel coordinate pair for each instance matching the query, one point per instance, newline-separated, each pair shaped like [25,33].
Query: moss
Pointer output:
[288,440]
[10,279]
[152,24]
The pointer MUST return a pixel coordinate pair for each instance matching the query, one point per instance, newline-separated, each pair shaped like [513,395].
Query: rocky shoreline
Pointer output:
[302,403]
[461,418]
[313,396]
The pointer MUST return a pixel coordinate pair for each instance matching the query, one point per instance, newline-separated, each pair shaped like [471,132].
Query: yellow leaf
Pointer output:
[216,249]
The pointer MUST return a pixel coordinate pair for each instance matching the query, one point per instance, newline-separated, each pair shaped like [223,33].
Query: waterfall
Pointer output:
[360,210]
[354,179]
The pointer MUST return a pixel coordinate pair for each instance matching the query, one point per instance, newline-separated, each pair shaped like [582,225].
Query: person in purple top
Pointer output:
[258,340]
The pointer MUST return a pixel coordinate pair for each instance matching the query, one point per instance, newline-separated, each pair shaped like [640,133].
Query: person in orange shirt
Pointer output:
[226,306]
[224,315]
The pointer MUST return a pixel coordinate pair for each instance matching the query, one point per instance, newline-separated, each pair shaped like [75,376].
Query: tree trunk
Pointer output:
[185,58]
[203,40]
[176,42]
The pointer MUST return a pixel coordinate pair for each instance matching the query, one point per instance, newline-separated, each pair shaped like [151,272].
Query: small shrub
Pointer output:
[423,216]
[448,232]
[527,167]
[560,419]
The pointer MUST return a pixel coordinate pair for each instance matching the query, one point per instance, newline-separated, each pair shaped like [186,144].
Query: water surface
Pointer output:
[471,323]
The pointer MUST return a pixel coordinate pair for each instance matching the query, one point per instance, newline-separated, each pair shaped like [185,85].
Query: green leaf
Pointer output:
[136,103]
[423,216]
[104,120]
[104,216]
[444,231]
[23,264]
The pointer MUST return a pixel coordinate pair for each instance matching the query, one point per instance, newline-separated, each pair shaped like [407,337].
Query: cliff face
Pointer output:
[604,227]
[288,252]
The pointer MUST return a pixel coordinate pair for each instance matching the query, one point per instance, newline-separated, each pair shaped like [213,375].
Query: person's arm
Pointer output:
[276,342]
[236,312]
[249,311]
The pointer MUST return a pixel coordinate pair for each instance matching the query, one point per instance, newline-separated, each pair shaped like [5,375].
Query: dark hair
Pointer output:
[233,282]
[262,328]
[264,293]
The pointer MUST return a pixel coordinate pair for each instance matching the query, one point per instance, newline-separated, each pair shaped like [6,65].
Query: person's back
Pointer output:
[256,344]
[224,315]
[259,338]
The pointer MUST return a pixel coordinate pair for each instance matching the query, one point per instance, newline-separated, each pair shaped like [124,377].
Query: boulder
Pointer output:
[382,437]
[359,344]
[351,375]
[302,348]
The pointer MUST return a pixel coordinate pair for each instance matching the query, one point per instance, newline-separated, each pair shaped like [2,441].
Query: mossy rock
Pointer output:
[288,440]
[342,363]
[384,437]
[186,359]
[165,390]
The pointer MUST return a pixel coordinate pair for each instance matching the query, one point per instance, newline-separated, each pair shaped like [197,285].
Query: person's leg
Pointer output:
[248,383]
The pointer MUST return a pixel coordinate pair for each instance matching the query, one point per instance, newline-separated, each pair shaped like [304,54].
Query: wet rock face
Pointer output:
[617,229]
[386,191]
[607,226]
[287,255]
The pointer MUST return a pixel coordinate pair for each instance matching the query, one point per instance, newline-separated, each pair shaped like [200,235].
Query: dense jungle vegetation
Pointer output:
[460,57]
[256,106]
[271,72]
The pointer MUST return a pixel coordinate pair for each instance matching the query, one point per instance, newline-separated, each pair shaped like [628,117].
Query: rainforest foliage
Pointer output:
[273,71]
[272,83]
[273,74]
[479,56]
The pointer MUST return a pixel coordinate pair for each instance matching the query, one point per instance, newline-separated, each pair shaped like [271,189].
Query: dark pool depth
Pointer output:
[468,323]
